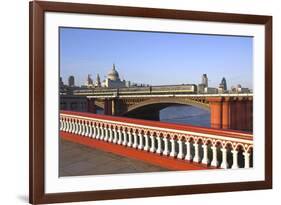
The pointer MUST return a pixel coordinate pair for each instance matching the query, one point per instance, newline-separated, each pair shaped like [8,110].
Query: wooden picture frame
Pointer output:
[37,192]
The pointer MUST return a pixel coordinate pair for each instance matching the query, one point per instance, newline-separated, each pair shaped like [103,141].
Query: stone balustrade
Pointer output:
[208,146]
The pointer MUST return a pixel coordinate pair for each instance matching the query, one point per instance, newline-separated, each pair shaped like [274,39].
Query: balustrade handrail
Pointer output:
[165,125]
[162,137]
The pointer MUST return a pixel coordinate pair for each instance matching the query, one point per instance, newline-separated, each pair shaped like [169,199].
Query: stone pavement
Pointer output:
[77,160]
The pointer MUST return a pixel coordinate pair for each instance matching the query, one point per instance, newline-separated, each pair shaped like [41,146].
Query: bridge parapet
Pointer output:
[208,146]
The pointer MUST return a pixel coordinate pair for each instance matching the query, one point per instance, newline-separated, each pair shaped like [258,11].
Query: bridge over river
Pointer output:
[228,111]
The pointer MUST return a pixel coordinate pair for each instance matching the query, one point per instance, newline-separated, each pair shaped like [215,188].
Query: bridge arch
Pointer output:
[168,101]
[150,109]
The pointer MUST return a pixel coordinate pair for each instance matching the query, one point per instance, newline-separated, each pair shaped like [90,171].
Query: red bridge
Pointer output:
[227,111]
[173,146]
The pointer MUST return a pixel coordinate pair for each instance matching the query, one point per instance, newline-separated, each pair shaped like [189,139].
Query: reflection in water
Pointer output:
[186,115]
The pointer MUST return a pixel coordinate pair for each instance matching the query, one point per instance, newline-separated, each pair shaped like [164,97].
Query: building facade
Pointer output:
[113,80]
[71,81]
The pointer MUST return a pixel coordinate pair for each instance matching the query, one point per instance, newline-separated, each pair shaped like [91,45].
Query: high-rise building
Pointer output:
[205,80]
[204,84]
[223,84]
[61,82]
[71,81]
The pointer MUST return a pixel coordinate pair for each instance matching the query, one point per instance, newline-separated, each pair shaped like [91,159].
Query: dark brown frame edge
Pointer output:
[37,193]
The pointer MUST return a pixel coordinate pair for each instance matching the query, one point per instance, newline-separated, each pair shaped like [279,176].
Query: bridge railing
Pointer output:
[211,147]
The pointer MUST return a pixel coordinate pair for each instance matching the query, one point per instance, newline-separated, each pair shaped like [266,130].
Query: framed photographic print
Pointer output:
[139,102]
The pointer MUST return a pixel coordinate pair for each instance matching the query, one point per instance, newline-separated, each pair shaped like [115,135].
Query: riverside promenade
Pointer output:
[79,160]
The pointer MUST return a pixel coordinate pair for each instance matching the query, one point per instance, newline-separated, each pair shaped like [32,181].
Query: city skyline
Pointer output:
[184,57]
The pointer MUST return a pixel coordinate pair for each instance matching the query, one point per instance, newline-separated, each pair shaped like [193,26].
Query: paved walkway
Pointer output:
[77,160]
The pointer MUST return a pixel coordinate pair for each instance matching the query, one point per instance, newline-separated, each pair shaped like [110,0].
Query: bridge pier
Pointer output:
[232,113]
[112,107]
[225,113]
[216,112]
[91,105]
[108,107]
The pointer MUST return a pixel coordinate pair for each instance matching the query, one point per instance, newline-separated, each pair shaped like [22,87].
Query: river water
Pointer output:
[186,115]
[182,114]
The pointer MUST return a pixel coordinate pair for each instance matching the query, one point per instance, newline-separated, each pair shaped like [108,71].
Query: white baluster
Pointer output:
[79,127]
[205,154]
[196,152]
[76,124]
[235,159]
[246,159]
[166,148]
[159,146]
[224,158]
[119,137]
[173,148]
[146,143]
[188,152]
[73,126]
[76,127]
[110,139]
[140,141]
[130,139]
[102,132]
[67,126]
[63,125]
[86,128]
[60,125]
[125,138]
[94,131]
[180,154]
[98,131]
[214,162]
[105,133]
[83,128]
[70,126]
[115,138]
[152,139]
[90,130]
[135,145]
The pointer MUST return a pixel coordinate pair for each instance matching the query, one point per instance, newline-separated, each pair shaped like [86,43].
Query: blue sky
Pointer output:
[156,58]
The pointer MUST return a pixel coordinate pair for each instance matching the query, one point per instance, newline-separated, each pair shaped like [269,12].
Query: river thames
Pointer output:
[183,114]
[186,115]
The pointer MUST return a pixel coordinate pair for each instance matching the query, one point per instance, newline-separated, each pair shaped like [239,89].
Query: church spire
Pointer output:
[98,83]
